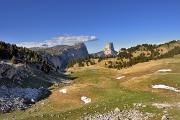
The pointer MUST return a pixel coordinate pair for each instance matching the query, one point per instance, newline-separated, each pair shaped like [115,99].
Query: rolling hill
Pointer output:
[114,93]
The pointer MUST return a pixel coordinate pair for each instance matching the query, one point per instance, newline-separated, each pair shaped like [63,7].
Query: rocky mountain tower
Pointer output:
[109,49]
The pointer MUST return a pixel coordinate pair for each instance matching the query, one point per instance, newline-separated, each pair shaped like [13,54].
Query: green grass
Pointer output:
[122,100]
[175,113]
[110,93]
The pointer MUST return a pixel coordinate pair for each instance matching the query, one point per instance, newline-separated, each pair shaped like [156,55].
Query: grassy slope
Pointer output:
[107,92]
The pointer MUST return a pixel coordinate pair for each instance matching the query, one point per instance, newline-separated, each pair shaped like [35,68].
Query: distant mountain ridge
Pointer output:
[60,55]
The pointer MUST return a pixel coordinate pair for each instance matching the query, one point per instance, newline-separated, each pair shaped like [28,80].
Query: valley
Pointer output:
[89,60]
[134,91]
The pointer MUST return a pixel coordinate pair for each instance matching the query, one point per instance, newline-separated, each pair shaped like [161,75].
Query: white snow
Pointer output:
[118,78]
[85,99]
[164,70]
[64,91]
[66,81]
[165,87]
[32,100]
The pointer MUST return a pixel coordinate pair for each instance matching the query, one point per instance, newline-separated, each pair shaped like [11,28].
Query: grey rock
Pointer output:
[13,74]
[20,98]
[165,117]
[131,114]
[116,110]
[109,50]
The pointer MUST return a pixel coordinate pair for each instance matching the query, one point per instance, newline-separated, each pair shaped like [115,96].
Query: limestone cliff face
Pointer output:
[60,55]
[109,49]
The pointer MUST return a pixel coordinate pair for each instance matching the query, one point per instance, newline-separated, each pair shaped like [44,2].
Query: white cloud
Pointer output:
[60,40]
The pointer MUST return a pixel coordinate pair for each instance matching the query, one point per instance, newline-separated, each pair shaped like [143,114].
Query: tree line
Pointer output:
[18,54]
[125,56]
[141,58]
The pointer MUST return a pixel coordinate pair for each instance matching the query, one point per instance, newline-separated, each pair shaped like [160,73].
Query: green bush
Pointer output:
[13,60]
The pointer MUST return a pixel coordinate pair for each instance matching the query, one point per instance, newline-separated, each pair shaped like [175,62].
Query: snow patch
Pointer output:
[164,70]
[165,87]
[85,99]
[64,91]
[118,78]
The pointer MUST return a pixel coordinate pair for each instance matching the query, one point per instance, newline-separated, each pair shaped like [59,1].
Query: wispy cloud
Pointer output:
[60,40]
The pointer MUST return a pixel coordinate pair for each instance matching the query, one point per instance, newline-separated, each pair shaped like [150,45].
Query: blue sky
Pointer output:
[124,22]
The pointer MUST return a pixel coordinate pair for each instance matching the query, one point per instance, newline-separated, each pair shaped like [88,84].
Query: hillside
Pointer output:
[134,92]
[61,55]
[147,89]
[25,78]
[7,51]
[131,56]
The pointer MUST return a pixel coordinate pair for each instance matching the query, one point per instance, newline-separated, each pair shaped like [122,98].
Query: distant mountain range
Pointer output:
[61,55]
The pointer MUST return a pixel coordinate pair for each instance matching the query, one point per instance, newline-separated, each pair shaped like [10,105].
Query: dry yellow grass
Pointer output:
[100,83]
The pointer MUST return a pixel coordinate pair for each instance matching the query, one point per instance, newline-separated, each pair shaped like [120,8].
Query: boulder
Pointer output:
[165,117]
[13,74]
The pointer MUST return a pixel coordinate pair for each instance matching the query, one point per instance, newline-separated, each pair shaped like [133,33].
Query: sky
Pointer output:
[95,22]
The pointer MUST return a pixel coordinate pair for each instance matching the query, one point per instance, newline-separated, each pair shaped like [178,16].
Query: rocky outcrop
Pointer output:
[12,96]
[13,74]
[20,98]
[117,114]
[109,50]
